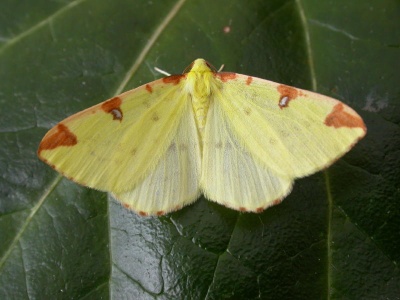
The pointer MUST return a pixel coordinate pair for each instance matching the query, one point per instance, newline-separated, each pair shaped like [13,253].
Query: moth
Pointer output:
[239,140]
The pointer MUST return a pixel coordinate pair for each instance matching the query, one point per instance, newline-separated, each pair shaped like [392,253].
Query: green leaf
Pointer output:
[336,236]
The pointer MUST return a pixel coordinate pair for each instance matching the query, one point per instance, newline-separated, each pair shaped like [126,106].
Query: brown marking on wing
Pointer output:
[259,209]
[288,94]
[112,107]
[242,208]
[249,80]
[225,76]
[340,118]
[126,205]
[149,88]
[276,201]
[160,213]
[143,213]
[62,137]
[174,79]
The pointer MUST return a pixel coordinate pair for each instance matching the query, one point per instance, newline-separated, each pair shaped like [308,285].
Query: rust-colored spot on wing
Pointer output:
[288,93]
[50,164]
[72,179]
[62,137]
[160,213]
[242,208]
[225,76]
[249,80]
[259,209]
[174,79]
[143,213]
[276,201]
[112,107]
[149,88]
[126,205]
[339,118]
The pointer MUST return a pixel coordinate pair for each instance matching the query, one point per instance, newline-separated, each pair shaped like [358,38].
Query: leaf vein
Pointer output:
[39,25]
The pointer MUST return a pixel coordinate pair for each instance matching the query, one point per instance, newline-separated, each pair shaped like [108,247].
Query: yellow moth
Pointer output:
[239,140]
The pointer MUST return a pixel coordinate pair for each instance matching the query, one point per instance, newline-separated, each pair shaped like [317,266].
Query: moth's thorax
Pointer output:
[200,82]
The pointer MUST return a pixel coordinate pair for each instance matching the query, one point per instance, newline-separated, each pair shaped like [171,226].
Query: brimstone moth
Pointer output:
[239,140]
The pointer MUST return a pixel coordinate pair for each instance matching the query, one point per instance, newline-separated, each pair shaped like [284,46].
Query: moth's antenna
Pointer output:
[162,71]
[221,67]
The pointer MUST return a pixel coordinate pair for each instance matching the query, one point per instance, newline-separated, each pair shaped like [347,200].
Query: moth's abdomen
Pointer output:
[200,108]
[200,84]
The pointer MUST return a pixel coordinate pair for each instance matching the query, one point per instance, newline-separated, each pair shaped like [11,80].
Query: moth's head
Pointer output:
[199,66]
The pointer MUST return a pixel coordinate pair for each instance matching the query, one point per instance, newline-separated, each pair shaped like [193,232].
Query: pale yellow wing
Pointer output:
[231,175]
[290,131]
[174,182]
[112,146]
